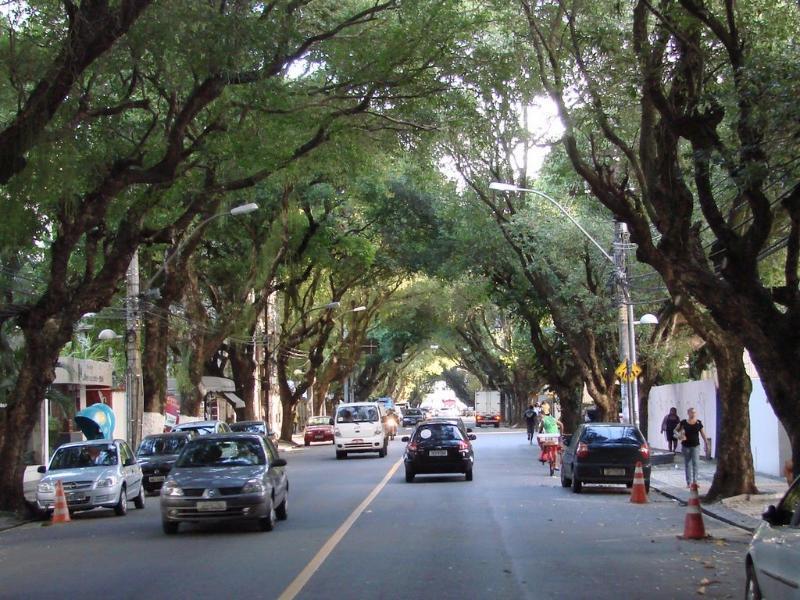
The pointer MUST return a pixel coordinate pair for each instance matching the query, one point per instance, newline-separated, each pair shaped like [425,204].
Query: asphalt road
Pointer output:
[513,532]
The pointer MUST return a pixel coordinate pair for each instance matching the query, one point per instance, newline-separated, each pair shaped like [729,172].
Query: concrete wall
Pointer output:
[152,423]
[120,408]
[700,395]
[768,440]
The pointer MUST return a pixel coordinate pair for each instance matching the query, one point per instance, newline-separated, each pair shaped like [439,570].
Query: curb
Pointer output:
[733,517]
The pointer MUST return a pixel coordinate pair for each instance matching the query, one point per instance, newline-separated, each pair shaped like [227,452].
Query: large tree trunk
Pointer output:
[734,474]
[154,361]
[44,339]
[243,366]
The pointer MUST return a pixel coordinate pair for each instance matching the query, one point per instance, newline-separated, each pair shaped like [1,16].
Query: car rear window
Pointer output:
[413,411]
[319,421]
[612,435]
[222,453]
[437,432]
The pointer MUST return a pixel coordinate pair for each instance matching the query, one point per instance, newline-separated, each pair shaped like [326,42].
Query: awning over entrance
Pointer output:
[234,399]
[218,384]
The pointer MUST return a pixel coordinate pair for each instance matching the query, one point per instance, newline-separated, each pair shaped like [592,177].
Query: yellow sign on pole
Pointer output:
[622,371]
[625,374]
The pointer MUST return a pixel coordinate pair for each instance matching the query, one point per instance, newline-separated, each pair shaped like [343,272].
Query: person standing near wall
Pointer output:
[668,426]
[691,430]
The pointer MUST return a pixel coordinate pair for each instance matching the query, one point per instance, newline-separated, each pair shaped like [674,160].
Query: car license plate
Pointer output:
[357,441]
[155,478]
[212,506]
[437,452]
[614,472]
[75,497]
[319,436]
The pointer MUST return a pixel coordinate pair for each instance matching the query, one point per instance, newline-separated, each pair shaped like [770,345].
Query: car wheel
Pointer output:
[577,486]
[307,443]
[121,507]
[751,589]
[170,527]
[282,512]
[409,476]
[468,475]
[340,455]
[564,481]
[496,425]
[382,452]
[138,502]
[268,523]
[647,486]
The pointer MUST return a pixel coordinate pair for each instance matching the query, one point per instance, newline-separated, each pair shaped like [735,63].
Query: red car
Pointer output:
[318,429]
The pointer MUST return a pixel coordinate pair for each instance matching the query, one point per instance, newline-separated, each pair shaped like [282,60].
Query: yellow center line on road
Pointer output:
[302,579]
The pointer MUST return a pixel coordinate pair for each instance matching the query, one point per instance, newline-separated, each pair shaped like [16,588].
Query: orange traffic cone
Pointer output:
[638,492]
[60,510]
[693,528]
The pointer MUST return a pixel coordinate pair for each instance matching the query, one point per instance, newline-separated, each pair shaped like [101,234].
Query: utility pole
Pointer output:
[622,296]
[133,383]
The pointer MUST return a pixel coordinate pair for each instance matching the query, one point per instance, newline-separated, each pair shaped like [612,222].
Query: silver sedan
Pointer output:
[97,473]
[221,477]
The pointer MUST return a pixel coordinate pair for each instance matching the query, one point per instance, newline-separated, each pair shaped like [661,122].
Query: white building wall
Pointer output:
[700,395]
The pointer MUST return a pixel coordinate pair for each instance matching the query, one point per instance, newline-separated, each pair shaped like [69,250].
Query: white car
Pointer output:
[773,558]
[360,427]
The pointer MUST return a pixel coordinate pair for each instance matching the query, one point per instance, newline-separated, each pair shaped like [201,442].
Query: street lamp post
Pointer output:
[627,341]
[235,211]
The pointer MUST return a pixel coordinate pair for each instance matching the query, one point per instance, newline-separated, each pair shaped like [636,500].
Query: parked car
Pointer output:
[318,429]
[772,563]
[438,447]
[360,427]
[254,427]
[226,477]
[412,416]
[94,474]
[157,454]
[604,453]
[203,427]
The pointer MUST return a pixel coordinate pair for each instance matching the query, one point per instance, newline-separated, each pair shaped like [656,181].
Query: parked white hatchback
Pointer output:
[773,559]
[97,473]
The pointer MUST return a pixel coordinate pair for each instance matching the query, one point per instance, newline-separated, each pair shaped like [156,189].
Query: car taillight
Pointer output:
[583,450]
[412,446]
[463,446]
[645,451]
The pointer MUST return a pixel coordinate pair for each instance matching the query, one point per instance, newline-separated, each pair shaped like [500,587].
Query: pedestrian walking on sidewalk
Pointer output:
[668,426]
[692,430]
[530,421]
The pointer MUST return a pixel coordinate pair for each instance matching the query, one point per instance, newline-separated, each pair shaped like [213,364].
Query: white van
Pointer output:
[359,427]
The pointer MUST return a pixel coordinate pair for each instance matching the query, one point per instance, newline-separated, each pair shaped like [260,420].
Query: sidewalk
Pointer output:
[742,511]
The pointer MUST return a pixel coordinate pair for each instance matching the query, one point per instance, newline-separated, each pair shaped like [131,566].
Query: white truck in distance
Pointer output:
[487,408]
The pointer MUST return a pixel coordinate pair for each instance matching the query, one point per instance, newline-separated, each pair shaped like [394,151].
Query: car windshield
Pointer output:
[414,411]
[611,435]
[161,445]
[357,414]
[248,427]
[222,453]
[319,420]
[90,455]
[438,432]
[201,429]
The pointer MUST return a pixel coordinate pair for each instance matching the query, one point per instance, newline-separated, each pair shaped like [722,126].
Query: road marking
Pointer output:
[302,579]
